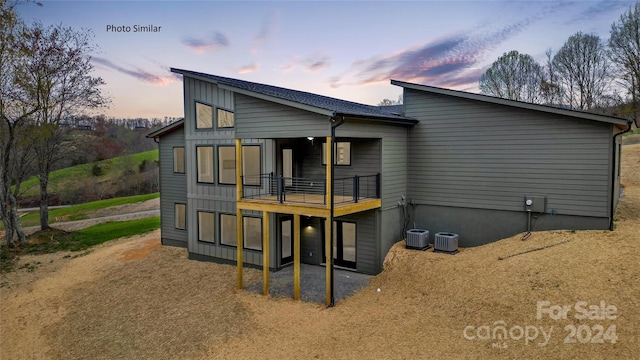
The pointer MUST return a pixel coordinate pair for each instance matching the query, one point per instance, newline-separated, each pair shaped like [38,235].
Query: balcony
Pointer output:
[351,194]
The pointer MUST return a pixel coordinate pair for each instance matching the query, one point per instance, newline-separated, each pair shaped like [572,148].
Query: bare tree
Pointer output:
[582,71]
[389,102]
[17,107]
[513,76]
[550,91]
[624,45]
[60,77]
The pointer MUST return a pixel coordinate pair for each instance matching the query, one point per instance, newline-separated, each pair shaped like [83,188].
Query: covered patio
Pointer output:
[312,283]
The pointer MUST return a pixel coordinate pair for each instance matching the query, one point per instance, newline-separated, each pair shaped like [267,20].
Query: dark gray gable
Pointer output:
[308,101]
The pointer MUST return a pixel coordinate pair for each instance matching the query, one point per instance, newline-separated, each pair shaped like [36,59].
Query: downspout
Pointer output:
[334,125]
[613,172]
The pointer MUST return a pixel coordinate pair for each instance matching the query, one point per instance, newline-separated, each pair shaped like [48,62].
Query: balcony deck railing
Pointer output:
[311,191]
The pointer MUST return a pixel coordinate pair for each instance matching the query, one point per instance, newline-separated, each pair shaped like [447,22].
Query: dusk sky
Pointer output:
[347,50]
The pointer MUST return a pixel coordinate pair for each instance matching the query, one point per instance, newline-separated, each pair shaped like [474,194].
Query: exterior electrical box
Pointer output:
[536,204]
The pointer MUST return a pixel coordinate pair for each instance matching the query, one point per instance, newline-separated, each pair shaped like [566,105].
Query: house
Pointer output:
[246,176]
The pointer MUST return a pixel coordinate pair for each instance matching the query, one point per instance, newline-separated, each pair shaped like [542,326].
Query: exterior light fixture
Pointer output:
[310,138]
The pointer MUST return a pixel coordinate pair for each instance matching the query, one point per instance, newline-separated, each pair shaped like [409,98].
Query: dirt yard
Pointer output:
[135,299]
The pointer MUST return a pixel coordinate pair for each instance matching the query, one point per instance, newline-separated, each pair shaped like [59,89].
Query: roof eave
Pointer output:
[392,120]
[166,129]
[512,103]
[277,100]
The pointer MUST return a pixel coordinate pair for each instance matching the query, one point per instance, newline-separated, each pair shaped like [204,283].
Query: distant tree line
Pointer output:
[47,83]
[586,73]
[94,138]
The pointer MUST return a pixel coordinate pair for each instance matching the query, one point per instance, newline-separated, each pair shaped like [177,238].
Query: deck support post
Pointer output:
[327,250]
[265,253]
[296,257]
[328,229]
[239,259]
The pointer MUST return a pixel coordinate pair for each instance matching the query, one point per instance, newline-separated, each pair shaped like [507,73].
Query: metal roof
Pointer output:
[512,103]
[304,100]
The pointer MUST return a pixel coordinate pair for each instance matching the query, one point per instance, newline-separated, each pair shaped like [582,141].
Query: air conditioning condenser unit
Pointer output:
[418,239]
[446,243]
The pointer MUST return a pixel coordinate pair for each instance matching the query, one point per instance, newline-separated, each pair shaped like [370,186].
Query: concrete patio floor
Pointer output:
[312,283]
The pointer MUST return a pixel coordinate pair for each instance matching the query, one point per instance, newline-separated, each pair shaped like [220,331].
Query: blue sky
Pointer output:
[349,50]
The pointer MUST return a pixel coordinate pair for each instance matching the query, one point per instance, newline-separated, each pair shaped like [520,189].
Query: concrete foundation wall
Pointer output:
[481,226]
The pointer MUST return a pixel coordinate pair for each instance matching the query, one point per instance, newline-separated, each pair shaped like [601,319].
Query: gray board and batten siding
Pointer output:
[174,189]
[485,156]
[216,198]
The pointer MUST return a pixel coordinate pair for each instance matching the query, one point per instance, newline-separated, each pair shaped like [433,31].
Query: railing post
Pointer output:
[324,191]
[280,188]
[271,187]
[356,188]
[284,190]
[378,185]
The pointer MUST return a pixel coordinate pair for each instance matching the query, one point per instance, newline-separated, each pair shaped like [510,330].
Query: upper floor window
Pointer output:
[225,119]
[204,158]
[178,160]
[227,165]
[341,154]
[204,116]
[250,164]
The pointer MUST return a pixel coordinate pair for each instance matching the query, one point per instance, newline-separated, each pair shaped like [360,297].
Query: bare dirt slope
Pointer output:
[135,299]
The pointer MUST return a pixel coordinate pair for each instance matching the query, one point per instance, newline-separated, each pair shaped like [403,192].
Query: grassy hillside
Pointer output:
[98,180]
[83,211]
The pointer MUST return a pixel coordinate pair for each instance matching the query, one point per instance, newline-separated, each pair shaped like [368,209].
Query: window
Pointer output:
[225,119]
[204,116]
[205,226]
[178,160]
[341,154]
[251,165]
[252,232]
[227,165]
[204,155]
[180,216]
[228,230]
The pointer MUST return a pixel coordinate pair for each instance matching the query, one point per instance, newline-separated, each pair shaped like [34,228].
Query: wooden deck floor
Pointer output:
[296,203]
[315,200]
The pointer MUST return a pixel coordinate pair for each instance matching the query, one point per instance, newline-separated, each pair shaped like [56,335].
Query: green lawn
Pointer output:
[100,233]
[54,240]
[81,211]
